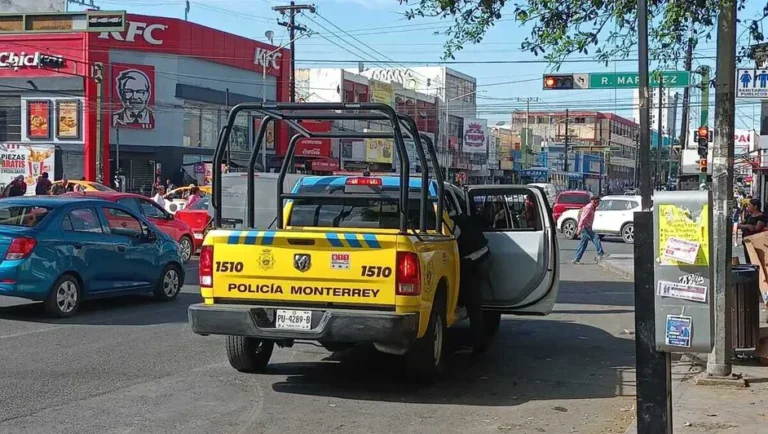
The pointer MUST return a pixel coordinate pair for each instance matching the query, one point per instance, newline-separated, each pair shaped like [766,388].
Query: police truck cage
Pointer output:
[292,114]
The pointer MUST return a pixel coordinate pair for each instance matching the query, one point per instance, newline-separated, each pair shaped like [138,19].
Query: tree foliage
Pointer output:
[605,29]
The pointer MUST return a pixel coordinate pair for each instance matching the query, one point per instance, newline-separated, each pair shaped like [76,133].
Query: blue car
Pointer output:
[62,251]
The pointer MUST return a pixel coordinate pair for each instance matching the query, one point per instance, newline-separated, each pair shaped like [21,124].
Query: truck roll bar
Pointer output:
[291,113]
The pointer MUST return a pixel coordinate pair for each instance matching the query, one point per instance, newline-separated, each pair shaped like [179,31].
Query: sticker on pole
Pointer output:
[340,261]
[751,83]
[678,331]
[681,250]
[682,291]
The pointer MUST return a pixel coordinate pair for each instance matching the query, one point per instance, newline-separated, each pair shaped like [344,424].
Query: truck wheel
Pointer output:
[492,321]
[424,360]
[249,354]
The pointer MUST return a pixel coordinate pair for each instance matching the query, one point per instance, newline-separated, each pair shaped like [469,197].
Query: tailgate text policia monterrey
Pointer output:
[304,266]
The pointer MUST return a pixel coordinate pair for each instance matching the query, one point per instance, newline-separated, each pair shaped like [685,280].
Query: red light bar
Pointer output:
[364,181]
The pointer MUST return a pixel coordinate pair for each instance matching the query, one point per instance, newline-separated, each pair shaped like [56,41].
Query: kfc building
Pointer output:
[166,85]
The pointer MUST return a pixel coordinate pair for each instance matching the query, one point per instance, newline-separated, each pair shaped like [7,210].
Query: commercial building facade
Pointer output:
[163,98]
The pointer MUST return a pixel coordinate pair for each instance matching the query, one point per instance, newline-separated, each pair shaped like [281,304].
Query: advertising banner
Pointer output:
[39,119]
[315,147]
[475,136]
[270,135]
[133,96]
[68,120]
[378,150]
[28,160]
[381,92]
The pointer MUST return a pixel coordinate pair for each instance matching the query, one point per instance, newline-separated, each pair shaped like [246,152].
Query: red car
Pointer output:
[197,218]
[165,221]
[569,200]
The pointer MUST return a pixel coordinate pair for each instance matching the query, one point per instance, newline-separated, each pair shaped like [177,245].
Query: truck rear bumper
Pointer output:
[328,325]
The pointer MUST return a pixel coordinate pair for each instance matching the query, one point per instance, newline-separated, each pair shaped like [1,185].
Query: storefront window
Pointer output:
[209,126]
[192,126]
[10,118]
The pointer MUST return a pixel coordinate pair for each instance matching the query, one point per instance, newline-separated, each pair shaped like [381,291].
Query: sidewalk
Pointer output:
[709,409]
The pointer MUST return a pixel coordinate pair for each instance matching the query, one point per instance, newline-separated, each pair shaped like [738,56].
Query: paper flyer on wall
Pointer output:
[678,331]
[681,250]
[682,291]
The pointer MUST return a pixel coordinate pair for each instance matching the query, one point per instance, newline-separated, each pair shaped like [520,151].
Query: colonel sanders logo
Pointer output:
[134,89]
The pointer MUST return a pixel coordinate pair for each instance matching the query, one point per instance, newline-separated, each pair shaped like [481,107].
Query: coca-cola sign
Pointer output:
[475,136]
[314,147]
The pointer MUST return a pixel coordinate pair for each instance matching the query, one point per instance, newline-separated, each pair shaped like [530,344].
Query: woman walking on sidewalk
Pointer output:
[754,222]
[584,229]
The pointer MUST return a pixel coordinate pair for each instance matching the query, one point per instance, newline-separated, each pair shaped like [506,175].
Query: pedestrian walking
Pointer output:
[754,222]
[159,197]
[43,186]
[584,229]
[15,188]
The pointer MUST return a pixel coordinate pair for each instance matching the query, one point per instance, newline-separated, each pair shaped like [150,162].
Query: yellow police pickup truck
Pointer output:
[363,260]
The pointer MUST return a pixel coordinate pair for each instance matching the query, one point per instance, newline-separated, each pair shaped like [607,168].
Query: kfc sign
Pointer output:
[151,33]
[267,58]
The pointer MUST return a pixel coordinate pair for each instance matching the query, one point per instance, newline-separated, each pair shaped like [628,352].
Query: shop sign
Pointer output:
[39,119]
[150,33]
[27,160]
[475,136]
[68,120]
[134,87]
[315,147]
[324,165]
[23,60]
[267,58]
[594,167]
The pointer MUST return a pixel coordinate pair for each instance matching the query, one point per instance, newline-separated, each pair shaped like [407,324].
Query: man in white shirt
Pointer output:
[159,196]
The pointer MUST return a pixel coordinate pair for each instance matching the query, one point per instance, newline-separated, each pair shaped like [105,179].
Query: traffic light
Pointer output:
[558,82]
[703,165]
[703,141]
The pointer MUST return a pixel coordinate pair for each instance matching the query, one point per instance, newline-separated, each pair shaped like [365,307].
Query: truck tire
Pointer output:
[424,360]
[249,354]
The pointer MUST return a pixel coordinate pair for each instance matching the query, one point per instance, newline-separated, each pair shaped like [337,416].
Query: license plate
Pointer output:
[227,225]
[293,319]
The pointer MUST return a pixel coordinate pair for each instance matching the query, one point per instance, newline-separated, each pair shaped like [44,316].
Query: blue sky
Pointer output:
[381,25]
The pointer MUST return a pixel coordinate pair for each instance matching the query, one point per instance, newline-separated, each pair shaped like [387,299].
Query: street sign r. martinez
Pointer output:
[630,80]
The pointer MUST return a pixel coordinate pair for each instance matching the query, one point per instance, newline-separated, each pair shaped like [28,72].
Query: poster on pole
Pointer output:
[378,150]
[475,136]
[27,160]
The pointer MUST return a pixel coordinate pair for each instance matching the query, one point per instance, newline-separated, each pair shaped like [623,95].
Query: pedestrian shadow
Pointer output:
[597,292]
[530,360]
[129,310]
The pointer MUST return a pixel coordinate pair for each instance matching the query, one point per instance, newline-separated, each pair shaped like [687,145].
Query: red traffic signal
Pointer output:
[703,132]
[558,82]
[703,165]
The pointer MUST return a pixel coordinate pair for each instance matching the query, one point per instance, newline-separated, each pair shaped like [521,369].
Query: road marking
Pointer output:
[95,322]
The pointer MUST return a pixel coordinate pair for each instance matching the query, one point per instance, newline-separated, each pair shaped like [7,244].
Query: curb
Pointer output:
[606,265]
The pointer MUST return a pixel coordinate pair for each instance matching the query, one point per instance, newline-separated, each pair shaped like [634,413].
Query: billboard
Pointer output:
[133,96]
[27,160]
[475,136]
[315,147]
[381,92]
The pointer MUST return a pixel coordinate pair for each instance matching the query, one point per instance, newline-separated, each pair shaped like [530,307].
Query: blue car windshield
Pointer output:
[27,216]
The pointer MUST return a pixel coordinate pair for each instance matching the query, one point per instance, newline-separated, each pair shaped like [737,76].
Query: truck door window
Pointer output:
[511,212]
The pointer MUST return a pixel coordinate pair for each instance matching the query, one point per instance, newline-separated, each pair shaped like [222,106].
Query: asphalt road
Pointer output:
[133,366]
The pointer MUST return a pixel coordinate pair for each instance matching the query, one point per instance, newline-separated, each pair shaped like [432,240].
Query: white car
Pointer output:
[614,216]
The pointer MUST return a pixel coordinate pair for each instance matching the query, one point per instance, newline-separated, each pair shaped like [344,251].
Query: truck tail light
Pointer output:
[206,266]
[20,248]
[408,274]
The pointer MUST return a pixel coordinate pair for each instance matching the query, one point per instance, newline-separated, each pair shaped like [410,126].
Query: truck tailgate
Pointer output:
[304,266]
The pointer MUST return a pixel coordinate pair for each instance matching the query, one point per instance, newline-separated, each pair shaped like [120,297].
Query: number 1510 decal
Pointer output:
[375,271]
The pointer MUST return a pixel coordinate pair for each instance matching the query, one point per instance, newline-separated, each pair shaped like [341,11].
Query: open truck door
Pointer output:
[523,265]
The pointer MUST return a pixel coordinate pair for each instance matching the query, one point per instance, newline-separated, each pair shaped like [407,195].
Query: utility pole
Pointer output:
[684,123]
[659,135]
[565,152]
[98,75]
[291,25]
[229,145]
[719,361]
[528,134]
[654,379]
[186,11]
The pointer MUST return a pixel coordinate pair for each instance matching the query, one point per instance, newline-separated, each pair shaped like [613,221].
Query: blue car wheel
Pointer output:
[169,285]
[65,297]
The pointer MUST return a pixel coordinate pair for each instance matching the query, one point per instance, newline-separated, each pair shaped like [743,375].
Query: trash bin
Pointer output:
[745,307]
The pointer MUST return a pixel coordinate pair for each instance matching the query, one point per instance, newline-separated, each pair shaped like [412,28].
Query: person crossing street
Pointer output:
[584,229]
